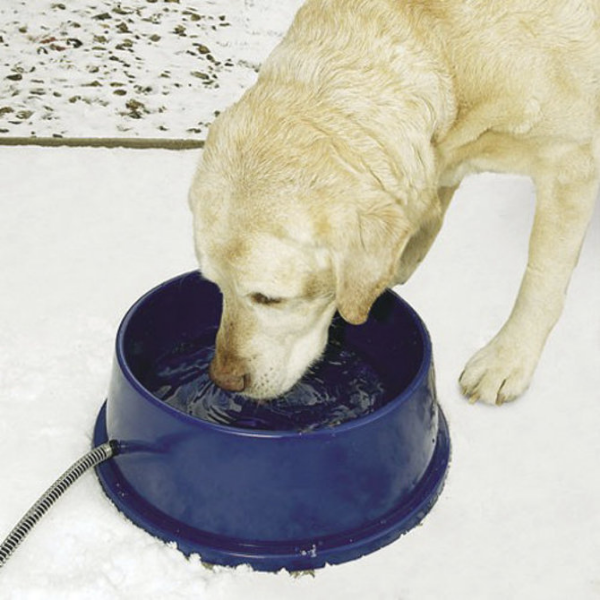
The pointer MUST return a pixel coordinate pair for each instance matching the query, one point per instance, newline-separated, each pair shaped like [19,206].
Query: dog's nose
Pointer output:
[228,375]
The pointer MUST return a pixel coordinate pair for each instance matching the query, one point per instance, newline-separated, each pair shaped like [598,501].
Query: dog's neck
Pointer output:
[384,103]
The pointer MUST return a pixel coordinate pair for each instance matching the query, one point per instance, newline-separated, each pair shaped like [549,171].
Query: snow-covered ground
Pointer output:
[134,68]
[84,233]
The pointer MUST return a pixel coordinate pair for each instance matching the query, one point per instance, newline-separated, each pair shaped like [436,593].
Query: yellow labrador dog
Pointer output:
[328,181]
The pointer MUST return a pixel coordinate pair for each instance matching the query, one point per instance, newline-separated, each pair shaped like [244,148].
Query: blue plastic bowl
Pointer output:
[272,498]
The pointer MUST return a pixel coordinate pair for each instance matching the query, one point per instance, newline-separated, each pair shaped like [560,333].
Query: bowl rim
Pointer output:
[422,372]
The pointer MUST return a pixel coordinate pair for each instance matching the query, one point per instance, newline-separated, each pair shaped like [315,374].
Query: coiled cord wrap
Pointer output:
[93,458]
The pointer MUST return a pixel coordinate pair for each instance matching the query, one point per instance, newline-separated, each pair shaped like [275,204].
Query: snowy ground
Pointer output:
[83,233]
[135,68]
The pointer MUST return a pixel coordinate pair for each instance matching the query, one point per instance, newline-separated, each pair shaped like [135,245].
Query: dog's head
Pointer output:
[290,231]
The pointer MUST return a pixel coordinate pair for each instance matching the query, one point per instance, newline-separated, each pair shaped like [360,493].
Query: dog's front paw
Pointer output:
[499,372]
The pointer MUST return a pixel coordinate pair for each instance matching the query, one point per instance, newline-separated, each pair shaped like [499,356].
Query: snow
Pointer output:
[85,232]
[136,68]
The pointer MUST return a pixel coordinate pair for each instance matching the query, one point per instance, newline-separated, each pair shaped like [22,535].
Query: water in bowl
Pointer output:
[341,387]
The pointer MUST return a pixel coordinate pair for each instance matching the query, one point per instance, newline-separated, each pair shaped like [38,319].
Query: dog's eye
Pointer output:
[259,298]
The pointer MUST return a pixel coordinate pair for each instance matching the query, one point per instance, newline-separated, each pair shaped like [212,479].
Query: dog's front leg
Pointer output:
[566,192]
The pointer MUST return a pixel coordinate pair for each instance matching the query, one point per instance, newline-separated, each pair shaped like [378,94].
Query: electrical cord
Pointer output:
[93,458]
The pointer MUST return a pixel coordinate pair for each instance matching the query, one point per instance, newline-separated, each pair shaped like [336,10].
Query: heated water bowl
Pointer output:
[271,490]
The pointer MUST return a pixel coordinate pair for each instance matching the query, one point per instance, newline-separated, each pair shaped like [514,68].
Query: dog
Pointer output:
[327,182]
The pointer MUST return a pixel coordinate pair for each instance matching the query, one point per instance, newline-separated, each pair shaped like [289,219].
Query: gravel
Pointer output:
[137,68]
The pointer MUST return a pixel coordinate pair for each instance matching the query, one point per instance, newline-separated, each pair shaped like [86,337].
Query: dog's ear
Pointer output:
[366,258]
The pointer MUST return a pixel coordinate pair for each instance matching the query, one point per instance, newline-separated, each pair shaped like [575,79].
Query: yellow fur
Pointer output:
[335,170]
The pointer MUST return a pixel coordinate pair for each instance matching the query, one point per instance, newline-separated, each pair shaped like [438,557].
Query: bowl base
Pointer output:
[273,555]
